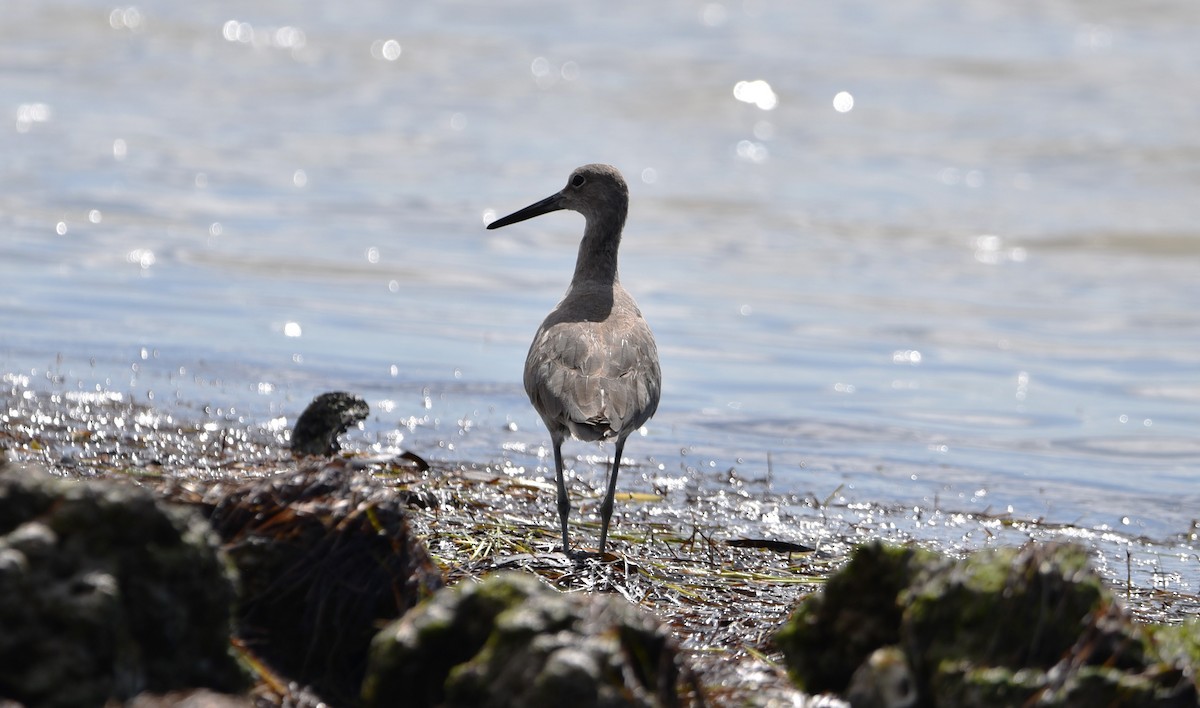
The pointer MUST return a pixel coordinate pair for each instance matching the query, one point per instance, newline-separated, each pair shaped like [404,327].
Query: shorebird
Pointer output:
[592,370]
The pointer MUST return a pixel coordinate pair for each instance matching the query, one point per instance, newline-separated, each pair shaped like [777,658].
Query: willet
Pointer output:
[592,370]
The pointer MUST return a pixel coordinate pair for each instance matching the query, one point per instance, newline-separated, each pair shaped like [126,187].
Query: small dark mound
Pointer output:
[326,558]
[328,416]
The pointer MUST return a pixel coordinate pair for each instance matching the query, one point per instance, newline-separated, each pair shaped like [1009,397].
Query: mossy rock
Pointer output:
[1006,607]
[964,684]
[106,592]
[413,657]
[511,641]
[999,627]
[830,633]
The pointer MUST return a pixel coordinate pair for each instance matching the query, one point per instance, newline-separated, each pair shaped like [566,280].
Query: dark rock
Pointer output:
[1000,627]
[1007,607]
[511,641]
[106,592]
[326,558]
[327,417]
[832,633]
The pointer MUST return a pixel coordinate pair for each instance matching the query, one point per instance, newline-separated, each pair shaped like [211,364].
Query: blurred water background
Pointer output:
[924,255]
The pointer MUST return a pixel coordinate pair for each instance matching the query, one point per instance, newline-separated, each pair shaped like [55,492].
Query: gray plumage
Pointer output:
[592,370]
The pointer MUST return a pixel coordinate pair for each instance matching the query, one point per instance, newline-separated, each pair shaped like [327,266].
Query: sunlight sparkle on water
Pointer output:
[234,31]
[128,18]
[30,113]
[843,102]
[290,37]
[758,92]
[143,257]
[989,249]
[286,37]
[752,151]
[386,49]
[545,75]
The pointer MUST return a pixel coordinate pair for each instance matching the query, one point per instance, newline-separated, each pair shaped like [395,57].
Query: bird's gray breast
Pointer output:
[594,378]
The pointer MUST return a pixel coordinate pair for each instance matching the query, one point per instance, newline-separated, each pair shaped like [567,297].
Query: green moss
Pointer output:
[538,647]
[990,629]
[1005,607]
[960,683]
[443,632]
[1177,643]
[830,633]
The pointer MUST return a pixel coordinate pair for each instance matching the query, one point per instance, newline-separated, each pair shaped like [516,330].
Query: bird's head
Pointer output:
[596,191]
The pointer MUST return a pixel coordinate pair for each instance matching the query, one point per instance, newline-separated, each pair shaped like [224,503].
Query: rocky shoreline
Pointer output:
[268,580]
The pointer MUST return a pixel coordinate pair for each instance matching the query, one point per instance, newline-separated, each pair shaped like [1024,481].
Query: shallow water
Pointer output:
[974,290]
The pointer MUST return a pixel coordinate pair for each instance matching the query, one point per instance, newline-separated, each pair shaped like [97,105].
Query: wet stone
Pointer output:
[512,641]
[106,593]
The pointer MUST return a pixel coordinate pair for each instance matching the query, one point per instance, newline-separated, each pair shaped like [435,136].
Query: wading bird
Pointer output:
[592,370]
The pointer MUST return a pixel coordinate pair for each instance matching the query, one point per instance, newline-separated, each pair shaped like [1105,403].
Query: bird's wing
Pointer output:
[594,379]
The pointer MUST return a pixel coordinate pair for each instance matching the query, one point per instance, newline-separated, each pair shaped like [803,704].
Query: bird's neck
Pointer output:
[597,261]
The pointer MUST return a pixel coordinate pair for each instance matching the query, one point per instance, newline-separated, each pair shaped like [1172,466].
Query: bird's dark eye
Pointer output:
[577,181]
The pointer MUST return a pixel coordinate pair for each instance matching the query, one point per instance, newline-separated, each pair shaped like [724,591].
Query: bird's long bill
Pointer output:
[547,205]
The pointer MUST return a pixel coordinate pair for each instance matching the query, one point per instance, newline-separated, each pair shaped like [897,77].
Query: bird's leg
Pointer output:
[606,509]
[564,502]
